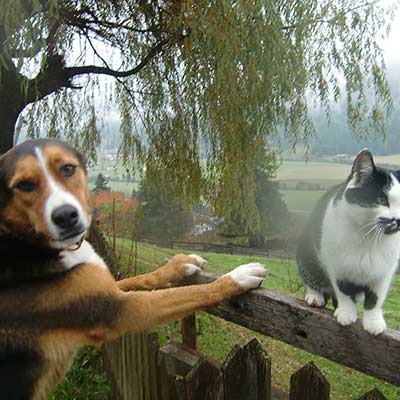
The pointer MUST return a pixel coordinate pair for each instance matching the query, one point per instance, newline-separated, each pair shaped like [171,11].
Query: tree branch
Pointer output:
[93,69]
[56,76]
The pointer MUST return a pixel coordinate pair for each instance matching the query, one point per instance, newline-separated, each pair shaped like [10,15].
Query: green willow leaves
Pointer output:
[219,80]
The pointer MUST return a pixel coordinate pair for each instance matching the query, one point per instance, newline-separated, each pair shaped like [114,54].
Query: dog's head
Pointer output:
[44,193]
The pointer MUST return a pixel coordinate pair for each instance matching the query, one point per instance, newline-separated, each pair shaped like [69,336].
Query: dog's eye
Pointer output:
[383,201]
[67,170]
[25,186]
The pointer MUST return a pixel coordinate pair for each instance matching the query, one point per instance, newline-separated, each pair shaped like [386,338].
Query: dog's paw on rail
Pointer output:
[249,276]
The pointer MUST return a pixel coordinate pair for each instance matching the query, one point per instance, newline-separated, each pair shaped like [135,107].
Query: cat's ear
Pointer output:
[363,166]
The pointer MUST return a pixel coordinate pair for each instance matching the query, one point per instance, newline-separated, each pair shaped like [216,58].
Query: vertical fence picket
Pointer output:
[247,373]
[308,383]
[204,382]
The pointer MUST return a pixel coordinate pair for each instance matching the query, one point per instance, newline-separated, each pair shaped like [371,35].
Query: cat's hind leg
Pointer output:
[314,298]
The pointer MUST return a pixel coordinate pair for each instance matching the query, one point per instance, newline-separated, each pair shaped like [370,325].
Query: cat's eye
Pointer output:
[25,186]
[382,201]
[67,170]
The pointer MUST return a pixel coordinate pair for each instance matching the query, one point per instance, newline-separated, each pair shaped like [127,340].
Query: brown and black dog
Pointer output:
[56,293]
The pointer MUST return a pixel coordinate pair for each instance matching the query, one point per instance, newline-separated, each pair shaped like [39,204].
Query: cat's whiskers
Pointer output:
[366,226]
[379,233]
[370,231]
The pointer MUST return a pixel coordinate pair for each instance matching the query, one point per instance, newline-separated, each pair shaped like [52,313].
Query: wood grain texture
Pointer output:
[290,320]
[247,373]
[308,383]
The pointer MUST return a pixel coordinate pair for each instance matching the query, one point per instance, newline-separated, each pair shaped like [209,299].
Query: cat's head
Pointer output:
[373,193]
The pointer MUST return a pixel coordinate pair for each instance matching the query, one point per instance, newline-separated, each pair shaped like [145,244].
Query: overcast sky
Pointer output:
[391,45]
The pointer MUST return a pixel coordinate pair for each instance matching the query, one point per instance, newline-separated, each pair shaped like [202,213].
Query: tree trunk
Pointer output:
[7,122]
[11,104]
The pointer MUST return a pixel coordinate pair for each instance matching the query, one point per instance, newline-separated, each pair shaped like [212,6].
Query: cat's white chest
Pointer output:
[349,254]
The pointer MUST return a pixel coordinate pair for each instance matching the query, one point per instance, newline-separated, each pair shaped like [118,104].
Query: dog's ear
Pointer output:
[82,160]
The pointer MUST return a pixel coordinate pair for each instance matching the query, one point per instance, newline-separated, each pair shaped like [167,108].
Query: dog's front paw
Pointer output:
[181,266]
[195,266]
[249,276]
[373,322]
[346,315]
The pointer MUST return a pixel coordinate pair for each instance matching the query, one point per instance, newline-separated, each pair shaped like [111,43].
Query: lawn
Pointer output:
[313,171]
[301,201]
[216,337]
[124,187]
[393,159]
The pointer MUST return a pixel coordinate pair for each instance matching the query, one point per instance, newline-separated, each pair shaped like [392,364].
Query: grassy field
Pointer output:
[393,159]
[323,173]
[312,171]
[124,187]
[217,337]
[301,201]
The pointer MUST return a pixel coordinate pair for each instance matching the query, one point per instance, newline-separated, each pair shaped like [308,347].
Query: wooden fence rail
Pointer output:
[220,248]
[290,320]
[141,370]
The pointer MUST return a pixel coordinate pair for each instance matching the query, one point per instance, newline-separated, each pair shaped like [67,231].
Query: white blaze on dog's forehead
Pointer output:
[57,196]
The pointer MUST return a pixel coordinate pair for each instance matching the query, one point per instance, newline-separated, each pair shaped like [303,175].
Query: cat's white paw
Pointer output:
[314,298]
[249,276]
[346,315]
[373,322]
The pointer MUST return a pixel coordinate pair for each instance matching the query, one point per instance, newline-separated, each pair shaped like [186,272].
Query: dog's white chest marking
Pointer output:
[85,254]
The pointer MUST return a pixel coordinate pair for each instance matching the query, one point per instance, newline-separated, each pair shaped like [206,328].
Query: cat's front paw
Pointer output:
[314,298]
[373,322]
[345,315]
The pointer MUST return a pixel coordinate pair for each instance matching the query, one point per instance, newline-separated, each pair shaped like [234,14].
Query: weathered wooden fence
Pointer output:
[141,370]
[220,248]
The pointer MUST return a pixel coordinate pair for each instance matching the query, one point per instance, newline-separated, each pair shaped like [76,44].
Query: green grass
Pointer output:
[312,171]
[301,201]
[124,187]
[217,337]
[86,380]
[393,159]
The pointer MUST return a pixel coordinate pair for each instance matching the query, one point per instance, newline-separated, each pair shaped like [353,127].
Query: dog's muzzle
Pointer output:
[68,222]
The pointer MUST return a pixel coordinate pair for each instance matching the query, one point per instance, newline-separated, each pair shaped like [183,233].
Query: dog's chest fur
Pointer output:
[43,314]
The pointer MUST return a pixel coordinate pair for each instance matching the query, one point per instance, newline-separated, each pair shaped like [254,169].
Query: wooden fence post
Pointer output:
[373,395]
[247,373]
[308,383]
[203,382]
[188,331]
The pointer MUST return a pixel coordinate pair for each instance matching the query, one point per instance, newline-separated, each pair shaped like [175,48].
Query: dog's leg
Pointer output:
[179,267]
[140,311]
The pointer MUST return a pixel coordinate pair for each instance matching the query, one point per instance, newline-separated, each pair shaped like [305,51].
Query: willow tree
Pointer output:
[200,85]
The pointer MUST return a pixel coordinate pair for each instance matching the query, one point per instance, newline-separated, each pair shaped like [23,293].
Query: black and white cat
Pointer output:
[351,245]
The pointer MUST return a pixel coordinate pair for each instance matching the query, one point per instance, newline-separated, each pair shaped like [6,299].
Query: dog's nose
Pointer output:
[65,217]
